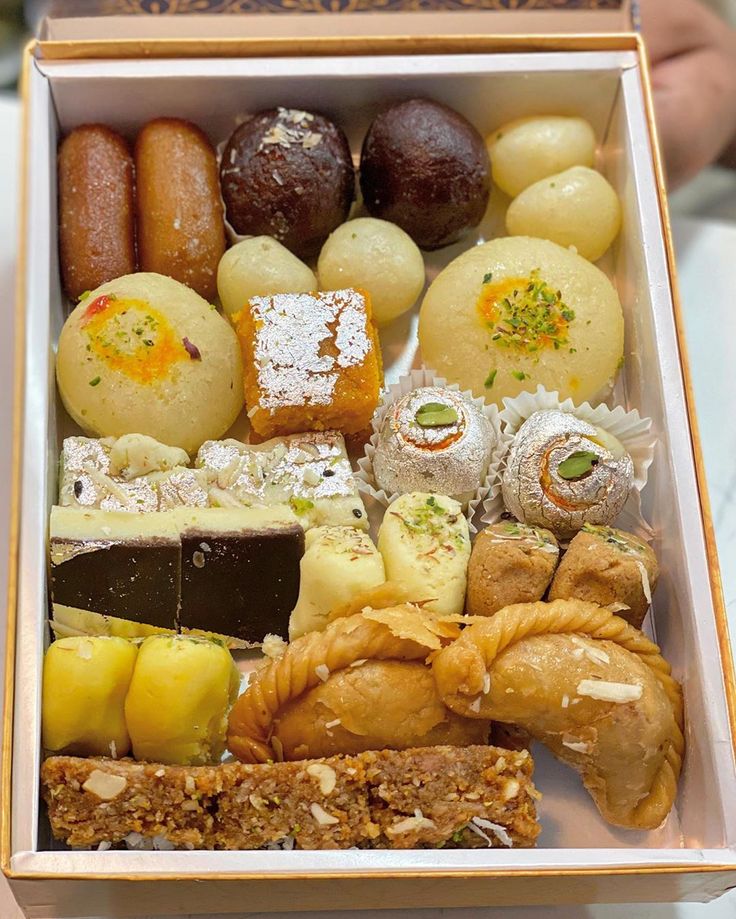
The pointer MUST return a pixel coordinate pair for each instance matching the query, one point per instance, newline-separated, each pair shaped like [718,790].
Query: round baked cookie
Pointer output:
[260,267]
[529,149]
[376,256]
[288,174]
[516,312]
[425,167]
[510,563]
[144,354]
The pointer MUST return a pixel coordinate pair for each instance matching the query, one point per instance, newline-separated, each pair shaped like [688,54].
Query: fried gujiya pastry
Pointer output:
[586,684]
[563,472]
[608,566]
[375,705]
[359,679]
[510,563]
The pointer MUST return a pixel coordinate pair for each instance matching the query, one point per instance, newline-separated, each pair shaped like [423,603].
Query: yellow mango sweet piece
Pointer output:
[179,698]
[85,680]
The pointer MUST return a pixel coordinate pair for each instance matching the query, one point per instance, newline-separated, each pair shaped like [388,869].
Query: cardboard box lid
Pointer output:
[300,21]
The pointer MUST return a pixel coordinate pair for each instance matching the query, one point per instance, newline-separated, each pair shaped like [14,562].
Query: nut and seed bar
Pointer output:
[427,797]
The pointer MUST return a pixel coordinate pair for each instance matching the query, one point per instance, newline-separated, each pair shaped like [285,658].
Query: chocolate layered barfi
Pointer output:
[233,572]
[239,570]
[117,563]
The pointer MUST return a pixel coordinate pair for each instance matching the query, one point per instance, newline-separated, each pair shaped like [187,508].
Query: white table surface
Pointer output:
[706,249]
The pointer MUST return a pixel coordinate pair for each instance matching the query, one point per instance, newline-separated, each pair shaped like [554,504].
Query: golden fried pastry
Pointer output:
[510,563]
[586,684]
[608,566]
[375,705]
[96,221]
[181,232]
[390,593]
[399,633]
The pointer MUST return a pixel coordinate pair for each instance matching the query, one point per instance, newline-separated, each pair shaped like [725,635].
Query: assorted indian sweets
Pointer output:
[341,538]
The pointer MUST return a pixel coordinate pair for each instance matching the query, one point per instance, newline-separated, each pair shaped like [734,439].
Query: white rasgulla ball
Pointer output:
[260,267]
[529,149]
[577,207]
[375,256]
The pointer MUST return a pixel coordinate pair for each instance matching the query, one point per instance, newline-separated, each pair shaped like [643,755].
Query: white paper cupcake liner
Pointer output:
[633,431]
[415,379]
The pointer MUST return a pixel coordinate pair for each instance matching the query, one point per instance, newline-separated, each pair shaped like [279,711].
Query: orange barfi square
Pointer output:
[312,362]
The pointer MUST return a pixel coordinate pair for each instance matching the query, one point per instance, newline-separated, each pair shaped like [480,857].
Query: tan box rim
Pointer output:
[439,44]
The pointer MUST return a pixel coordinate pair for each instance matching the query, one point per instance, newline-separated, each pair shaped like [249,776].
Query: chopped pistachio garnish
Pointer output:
[432,519]
[627,543]
[94,382]
[300,505]
[525,314]
[490,379]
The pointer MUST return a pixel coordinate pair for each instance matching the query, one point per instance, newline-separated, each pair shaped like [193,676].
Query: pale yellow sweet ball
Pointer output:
[144,354]
[529,149]
[260,267]
[376,256]
[577,207]
[515,312]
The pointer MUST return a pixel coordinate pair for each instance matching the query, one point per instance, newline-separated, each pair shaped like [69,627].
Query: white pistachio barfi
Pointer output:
[425,544]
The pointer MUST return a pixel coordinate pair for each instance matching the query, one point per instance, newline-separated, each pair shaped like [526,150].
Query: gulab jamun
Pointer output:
[425,167]
[288,174]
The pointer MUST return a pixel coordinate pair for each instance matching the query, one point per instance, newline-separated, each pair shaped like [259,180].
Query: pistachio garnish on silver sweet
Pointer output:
[433,440]
[563,472]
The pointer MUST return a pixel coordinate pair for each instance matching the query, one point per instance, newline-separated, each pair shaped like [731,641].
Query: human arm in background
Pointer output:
[693,62]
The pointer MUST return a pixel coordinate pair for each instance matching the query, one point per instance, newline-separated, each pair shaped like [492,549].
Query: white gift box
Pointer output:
[579,858]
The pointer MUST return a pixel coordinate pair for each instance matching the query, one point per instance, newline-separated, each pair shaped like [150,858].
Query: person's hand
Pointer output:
[693,61]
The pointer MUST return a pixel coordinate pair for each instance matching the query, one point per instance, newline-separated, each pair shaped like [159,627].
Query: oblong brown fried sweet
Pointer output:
[96,221]
[568,672]
[181,232]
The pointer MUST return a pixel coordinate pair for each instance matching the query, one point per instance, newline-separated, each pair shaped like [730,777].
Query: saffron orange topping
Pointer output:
[524,314]
[132,337]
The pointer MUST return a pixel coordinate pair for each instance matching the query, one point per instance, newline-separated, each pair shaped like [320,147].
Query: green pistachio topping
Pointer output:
[490,379]
[578,464]
[435,414]
[301,505]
